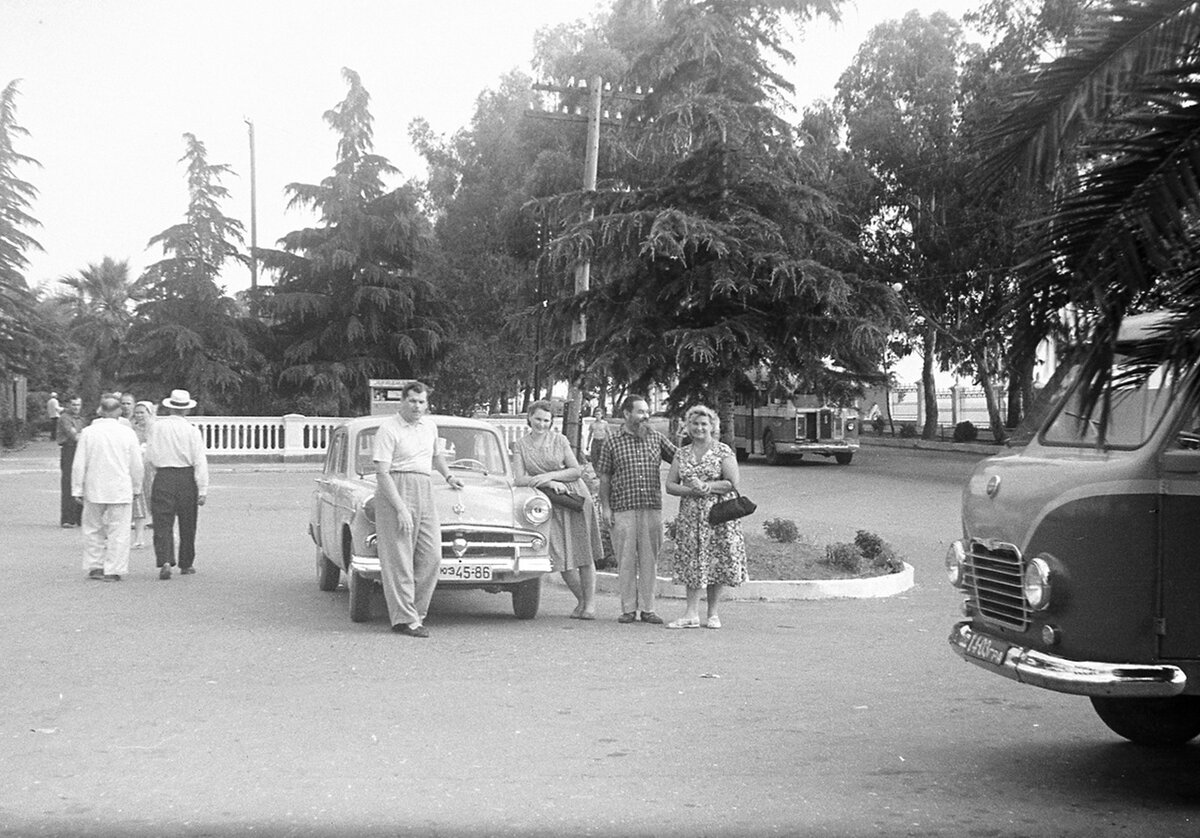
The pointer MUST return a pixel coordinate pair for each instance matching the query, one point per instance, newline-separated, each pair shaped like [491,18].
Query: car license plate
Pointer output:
[466,572]
[986,649]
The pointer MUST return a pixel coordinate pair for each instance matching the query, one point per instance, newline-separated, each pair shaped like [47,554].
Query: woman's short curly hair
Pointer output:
[698,409]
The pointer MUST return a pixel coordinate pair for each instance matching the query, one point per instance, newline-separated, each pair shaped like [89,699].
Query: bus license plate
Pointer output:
[986,649]
[466,572]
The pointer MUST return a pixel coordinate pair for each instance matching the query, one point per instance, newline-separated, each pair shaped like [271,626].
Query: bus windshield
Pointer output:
[1133,412]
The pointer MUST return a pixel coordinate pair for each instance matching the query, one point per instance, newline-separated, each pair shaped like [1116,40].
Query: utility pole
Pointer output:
[572,421]
[253,223]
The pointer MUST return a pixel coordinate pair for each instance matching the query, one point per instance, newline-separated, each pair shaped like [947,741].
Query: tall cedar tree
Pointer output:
[190,333]
[349,303]
[714,253]
[17,320]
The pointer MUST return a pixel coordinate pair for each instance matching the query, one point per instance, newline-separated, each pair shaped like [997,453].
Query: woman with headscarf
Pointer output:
[142,419]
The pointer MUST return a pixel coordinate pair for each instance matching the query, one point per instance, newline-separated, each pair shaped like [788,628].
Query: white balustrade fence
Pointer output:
[296,437]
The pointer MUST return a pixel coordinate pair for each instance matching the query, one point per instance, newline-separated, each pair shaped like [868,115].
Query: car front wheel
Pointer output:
[527,596]
[360,597]
[328,574]
[1157,722]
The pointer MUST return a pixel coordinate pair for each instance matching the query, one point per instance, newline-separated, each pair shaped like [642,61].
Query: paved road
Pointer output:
[242,701]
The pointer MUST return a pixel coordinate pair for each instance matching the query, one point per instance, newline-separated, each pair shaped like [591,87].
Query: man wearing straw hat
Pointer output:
[175,449]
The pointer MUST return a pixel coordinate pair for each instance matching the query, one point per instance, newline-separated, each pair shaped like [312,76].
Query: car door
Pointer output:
[328,485]
[1179,519]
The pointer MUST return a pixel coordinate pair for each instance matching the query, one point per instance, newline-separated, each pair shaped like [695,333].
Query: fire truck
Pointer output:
[792,426]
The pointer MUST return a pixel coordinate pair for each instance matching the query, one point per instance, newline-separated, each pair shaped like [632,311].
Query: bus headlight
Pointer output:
[1036,584]
[956,560]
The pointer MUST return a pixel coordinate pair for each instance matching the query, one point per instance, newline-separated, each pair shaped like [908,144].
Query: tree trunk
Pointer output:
[928,386]
[989,394]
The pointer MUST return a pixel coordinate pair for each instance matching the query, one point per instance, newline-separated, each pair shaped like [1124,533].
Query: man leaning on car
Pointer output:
[410,540]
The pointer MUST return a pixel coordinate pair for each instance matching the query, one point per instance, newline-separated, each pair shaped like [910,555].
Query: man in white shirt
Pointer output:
[105,475]
[409,535]
[175,449]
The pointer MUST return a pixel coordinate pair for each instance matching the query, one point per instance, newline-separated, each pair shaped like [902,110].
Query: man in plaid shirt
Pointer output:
[631,503]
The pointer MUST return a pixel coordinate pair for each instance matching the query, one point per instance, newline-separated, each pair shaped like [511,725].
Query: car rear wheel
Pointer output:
[1157,722]
[843,459]
[328,574]
[527,597]
[360,597]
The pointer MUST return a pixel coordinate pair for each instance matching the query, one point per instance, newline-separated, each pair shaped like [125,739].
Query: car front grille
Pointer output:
[485,542]
[994,580]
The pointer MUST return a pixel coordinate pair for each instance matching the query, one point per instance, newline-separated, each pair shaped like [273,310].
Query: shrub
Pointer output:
[782,530]
[966,432]
[845,557]
[878,553]
[878,425]
[670,529]
[12,431]
[908,431]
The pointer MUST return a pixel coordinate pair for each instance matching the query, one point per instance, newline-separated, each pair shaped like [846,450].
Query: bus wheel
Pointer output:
[774,458]
[843,459]
[1156,722]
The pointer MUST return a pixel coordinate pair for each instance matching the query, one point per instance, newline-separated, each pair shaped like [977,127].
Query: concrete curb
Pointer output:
[933,445]
[780,591]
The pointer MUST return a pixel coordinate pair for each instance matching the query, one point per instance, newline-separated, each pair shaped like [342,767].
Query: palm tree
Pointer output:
[100,300]
[1114,125]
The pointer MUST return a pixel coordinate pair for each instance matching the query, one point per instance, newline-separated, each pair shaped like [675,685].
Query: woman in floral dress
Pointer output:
[143,418]
[707,558]
[543,458]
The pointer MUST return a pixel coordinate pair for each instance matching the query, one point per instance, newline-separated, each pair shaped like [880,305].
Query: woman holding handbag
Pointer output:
[543,459]
[707,557]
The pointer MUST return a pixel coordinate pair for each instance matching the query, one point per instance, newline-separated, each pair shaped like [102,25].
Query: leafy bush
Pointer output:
[908,431]
[782,530]
[877,552]
[12,431]
[966,432]
[670,529]
[878,425]
[845,557]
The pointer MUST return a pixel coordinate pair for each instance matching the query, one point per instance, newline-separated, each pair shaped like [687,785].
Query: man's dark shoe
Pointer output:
[95,573]
[412,630]
[652,618]
[186,571]
[164,572]
[627,617]
[112,577]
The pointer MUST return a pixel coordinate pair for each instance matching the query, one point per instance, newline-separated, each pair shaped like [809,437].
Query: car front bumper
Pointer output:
[824,448]
[1091,678]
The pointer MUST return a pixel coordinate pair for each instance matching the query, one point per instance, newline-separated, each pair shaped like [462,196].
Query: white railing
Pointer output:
[302,437]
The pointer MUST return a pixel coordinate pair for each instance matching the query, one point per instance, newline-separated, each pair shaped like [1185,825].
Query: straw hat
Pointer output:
[179,400]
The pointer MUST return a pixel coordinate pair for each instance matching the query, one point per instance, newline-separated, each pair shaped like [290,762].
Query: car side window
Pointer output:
[364,452]
[335,457]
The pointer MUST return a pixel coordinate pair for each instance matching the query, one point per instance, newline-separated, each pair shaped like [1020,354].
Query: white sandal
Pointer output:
[713,622]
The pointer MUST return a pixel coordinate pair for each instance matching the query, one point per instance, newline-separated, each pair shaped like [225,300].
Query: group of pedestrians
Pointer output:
[129,464]
[627,461]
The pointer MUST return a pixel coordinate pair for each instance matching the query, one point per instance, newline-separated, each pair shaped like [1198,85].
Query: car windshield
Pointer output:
[1133,412]
[475,449]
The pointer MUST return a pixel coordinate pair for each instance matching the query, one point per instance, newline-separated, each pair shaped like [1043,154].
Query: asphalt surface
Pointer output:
[243,701]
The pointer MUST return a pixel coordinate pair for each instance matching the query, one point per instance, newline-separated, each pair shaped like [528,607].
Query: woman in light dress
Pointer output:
[543,459]
[142,419]
[707,558]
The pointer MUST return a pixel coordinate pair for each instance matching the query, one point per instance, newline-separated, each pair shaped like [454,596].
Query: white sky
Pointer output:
[110,86]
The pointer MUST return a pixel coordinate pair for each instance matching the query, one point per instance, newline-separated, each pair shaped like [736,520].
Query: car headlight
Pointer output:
[1036,584]
[369,509]
[537,509]
[956,561]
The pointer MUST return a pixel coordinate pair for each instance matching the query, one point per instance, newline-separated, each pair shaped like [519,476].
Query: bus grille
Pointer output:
[994,578]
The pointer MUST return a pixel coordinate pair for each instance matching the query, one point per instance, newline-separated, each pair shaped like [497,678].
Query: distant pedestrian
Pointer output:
[70,425]
[631,504]
[175,450]
[105,476]
[52,411]
[127,404]
[143,418]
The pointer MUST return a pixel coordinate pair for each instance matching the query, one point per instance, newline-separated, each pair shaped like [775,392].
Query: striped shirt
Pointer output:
[633,467]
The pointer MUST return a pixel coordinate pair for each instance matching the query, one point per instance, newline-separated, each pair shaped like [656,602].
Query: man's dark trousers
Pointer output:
[174,495]
[69,512]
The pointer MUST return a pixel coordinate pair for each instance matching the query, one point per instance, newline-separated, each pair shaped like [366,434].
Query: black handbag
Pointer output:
[730,510]
[567,500]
